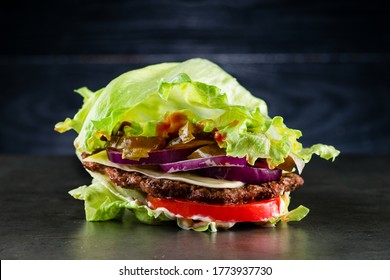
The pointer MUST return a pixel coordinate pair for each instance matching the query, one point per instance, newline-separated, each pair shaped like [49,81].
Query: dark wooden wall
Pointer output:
[322,65]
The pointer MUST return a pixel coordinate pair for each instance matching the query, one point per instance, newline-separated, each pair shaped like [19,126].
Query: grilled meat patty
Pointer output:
[164,188]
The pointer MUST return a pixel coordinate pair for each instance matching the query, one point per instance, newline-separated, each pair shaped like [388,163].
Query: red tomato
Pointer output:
[249,212]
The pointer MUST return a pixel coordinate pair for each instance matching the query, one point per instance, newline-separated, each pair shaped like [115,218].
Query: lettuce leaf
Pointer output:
[135,97]
[205,94]
[78,120]
[102,204]
[294,215]
[189,224]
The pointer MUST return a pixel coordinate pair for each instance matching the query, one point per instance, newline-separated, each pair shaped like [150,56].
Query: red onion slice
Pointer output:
[244,174]
[155,157]
[192,164]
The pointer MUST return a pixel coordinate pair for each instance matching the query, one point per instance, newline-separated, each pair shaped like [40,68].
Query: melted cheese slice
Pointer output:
[154,172]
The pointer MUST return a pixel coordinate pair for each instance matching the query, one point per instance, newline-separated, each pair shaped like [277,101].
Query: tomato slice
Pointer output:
[250,212]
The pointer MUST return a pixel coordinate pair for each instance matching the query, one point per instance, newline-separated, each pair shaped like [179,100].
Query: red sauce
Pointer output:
[171,125]
[218,136]
[234,123]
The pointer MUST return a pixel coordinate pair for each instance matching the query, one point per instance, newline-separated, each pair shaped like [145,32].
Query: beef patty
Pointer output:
[165,188]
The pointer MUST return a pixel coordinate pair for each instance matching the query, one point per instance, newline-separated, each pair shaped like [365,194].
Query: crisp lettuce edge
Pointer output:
[241,126]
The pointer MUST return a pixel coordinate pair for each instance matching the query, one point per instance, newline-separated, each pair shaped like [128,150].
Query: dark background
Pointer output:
[322,65]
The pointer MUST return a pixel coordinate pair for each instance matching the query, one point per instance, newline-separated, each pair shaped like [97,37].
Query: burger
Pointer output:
[186,142]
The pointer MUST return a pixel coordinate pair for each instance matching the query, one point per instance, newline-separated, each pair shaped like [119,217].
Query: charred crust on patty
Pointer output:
[165,188]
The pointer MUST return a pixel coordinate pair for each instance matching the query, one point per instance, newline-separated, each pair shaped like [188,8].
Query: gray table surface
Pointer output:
[349,219]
